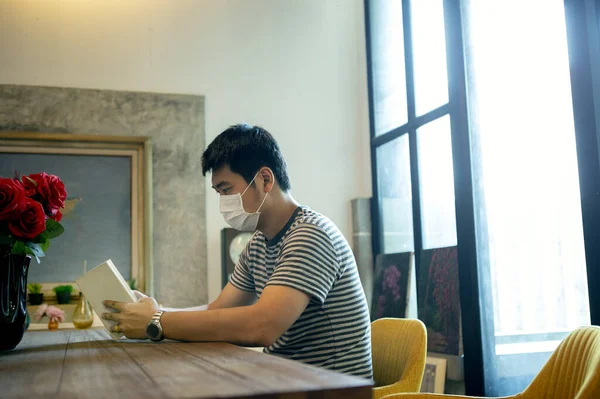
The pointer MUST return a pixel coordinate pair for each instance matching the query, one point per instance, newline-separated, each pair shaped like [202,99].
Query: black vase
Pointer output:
[13,299]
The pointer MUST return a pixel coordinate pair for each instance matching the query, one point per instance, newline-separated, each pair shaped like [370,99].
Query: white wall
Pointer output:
[296,67]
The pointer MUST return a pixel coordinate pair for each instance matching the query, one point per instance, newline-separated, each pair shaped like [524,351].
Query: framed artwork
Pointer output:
[233,242]
[439,301]
[434,377]
[107,213]
[392,288]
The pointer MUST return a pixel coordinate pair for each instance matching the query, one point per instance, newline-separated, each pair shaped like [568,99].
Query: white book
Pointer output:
[105,282]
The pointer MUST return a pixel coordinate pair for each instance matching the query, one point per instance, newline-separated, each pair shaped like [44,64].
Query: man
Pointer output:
[295,289]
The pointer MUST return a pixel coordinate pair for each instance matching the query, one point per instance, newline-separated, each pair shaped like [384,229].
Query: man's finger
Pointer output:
[114,305]
[111,316]
[139,295]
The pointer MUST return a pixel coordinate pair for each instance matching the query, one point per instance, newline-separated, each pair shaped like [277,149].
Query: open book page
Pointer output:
[105,282]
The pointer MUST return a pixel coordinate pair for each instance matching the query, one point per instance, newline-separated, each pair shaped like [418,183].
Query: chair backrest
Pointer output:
[573,370]
[399,348]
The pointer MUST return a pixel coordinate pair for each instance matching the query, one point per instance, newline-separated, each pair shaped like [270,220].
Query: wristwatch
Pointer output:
[154,330]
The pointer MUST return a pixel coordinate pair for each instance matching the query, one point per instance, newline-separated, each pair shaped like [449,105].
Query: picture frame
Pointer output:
[434,377]
[108,212]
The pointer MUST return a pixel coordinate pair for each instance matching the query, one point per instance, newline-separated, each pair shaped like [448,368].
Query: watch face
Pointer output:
[153,331]
[238,244]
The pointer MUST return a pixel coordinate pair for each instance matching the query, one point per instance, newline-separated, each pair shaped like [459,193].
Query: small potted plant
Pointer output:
[54,314]
[63,293]
[35,293]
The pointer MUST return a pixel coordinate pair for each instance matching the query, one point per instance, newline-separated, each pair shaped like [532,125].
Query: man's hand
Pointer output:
[132,318]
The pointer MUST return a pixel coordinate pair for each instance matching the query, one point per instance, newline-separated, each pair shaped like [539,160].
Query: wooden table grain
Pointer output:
[88,364]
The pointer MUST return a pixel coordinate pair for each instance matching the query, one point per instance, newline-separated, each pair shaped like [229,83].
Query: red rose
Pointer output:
[12,195]
[56,217]
[50,189]
[31,184]
[31,223]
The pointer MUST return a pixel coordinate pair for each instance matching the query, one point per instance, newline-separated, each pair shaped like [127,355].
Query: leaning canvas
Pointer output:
[438,299]
[392,289]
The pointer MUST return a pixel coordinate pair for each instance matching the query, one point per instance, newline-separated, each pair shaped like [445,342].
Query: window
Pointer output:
[388,74]
[498,130]
[528,187]
[438,217]
[395,195]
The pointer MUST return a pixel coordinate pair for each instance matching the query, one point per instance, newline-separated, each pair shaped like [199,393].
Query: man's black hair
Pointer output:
[246,149]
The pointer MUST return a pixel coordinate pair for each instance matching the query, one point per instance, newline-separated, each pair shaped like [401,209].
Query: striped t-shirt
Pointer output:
[311,255]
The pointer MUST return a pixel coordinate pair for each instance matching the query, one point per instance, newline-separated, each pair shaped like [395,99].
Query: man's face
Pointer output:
[225,182]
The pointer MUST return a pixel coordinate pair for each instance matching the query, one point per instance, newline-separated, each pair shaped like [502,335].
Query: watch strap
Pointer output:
[157,316]
[156,321]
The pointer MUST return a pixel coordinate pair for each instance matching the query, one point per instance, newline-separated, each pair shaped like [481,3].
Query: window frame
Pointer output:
[410,128]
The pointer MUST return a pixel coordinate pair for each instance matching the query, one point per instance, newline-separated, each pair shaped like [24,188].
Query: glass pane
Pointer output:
[436,178]
[527,189]
[429,55]
[393,174]
[387,58]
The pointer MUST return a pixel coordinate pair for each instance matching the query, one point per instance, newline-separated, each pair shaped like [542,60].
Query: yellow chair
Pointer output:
[399,349]
[572,372]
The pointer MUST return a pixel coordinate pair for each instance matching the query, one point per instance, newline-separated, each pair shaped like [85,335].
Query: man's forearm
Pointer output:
[240,325]
[190,309]
[230,297]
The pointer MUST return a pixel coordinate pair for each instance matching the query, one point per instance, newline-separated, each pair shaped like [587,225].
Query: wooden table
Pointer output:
[88,364]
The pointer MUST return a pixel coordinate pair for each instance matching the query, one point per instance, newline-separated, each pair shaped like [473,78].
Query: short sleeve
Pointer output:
[241,277]
[307,262]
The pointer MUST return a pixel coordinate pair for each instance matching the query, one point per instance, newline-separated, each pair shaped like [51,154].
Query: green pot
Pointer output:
[63,298]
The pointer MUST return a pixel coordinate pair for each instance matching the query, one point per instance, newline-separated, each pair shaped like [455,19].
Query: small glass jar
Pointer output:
[53,324]
[83,317]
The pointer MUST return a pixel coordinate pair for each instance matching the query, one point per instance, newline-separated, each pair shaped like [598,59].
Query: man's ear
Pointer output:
[268,179]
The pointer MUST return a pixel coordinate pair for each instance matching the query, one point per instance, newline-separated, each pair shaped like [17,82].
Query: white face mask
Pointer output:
[232,209]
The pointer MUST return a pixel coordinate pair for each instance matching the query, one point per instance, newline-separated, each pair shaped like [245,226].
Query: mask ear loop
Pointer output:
[264,199]
[249,184]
